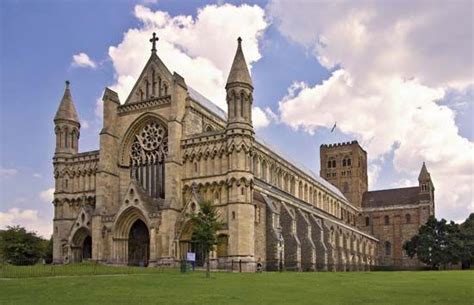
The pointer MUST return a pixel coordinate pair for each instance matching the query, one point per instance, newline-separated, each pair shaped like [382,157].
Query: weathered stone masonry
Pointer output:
[166,149]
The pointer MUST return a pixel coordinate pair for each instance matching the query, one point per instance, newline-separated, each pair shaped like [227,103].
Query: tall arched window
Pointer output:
[334,163]
[264,170]
[386,220]
[255,166]
[147,158]
[153,82]
[408,218]
[345,187]
[234,98]
[66,138]
[367,221]
[388,248]
[242,104]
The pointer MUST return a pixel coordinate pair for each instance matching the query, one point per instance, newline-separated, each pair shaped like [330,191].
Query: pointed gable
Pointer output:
[153,82]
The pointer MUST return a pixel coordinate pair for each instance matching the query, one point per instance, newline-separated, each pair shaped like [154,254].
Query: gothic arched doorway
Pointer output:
[81,246]
[138,244]
[87,248]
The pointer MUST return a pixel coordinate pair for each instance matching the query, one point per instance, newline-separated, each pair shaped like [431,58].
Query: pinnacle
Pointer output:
[424,174]
[66,109]
[239,72]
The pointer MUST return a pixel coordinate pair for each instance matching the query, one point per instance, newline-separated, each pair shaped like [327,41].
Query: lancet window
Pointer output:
[147,159]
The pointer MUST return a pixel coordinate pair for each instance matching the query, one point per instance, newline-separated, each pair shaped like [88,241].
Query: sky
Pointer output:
[395,75]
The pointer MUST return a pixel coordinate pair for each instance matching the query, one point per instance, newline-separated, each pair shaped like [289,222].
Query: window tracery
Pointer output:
[147,155]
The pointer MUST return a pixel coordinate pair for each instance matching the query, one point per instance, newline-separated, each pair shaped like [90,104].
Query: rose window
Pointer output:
[147,156]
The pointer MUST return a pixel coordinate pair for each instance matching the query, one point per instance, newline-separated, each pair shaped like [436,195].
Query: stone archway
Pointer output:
[138,244]
[132,238]
[81,246]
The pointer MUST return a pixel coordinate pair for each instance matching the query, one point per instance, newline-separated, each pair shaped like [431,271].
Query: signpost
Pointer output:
[191,257]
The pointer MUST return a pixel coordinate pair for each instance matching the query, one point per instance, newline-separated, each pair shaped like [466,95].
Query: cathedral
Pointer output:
[167,148]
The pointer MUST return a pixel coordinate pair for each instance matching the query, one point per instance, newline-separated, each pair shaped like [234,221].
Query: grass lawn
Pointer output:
[172,287]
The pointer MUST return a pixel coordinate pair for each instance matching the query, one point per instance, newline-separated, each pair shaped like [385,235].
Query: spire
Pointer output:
[66,110]
[239,72]
[424,174]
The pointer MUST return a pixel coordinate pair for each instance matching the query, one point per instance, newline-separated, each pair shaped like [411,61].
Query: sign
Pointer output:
[191,257]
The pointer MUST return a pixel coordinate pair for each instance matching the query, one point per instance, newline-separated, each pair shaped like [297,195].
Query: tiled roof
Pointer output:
[385,198]
[206,103]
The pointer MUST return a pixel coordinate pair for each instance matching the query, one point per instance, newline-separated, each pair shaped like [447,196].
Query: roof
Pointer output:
[66,109]
[391,197]
[301,167]
[206,103]
[424,174]
[239,72]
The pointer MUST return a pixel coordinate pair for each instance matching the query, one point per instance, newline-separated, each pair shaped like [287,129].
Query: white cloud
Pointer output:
[413,39]
[404,182]
[99,108]
[7,172]
[37,175]
[84,124]
[373,173]
[47,195]
[263,117]
[393,62]
[193,47]
[29,219]
[259,118]
[82,60]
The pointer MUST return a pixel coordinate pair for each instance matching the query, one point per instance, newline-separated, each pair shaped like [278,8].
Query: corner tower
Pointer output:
[426,185]
[239,90]
[66,126]
[345,166]
[240,139]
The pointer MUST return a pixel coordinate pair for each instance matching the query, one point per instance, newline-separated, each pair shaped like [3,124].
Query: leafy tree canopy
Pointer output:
[20,247]
[206,223]
[439,242]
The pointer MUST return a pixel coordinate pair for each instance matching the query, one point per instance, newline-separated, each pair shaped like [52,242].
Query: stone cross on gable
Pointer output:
[153,41]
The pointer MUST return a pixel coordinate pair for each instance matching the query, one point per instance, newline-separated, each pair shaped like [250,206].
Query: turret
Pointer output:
[67,126]
[240,138]
[424,180]
[239,89]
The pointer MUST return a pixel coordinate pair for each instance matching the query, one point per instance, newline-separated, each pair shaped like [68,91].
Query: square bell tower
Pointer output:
[345,166]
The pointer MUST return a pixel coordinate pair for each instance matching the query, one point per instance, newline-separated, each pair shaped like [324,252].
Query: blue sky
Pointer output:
[312,64]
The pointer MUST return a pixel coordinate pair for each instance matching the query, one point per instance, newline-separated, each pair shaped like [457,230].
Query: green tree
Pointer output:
[48,250]
[436,244]
[466,238]
[205,226]
[20,247]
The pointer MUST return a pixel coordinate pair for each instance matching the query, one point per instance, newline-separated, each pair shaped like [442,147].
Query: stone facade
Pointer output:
[393,216]
[167,148]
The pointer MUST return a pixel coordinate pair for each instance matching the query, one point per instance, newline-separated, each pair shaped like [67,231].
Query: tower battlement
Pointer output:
[344,165]
[332,145]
